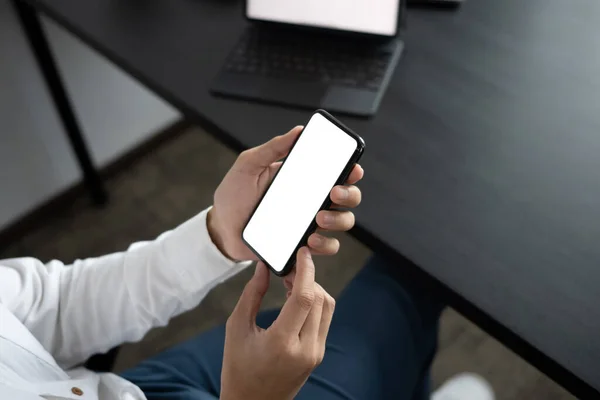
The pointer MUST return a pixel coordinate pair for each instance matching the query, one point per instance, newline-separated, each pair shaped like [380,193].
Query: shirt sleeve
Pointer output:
[92,305]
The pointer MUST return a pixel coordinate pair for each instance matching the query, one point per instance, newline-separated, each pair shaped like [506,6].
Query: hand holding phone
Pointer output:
[323,156]
[245,184]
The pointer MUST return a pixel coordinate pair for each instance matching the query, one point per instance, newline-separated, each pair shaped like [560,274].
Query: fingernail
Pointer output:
[256,269]
[343,193]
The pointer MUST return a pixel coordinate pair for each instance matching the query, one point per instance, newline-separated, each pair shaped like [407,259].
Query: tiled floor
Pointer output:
[176,181]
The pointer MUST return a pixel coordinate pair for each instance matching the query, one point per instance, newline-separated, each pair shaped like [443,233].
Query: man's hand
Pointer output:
[246,181]
[274,363]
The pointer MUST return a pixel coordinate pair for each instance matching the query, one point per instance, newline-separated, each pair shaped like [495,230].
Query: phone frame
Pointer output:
[360,148]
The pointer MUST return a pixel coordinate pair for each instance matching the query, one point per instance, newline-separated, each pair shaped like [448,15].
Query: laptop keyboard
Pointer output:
[329,60]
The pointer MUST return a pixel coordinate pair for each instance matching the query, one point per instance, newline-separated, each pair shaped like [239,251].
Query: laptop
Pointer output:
[334,54]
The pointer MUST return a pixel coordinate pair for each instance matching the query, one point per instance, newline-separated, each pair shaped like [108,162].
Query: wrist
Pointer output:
[216,232]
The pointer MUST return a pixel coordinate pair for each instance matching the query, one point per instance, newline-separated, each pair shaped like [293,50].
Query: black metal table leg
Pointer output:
[34,31]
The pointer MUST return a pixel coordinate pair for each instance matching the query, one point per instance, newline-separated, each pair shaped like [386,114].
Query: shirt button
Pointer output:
[76,391]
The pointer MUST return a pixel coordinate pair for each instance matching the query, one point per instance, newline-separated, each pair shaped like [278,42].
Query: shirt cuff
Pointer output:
[201,265]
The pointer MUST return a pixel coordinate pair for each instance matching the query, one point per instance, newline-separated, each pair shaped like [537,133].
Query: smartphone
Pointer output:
[322,157]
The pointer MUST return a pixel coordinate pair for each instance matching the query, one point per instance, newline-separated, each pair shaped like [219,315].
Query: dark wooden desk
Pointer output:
[482,166]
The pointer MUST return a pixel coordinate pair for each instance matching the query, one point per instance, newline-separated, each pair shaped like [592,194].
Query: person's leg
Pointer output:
[381,343]
[190,370]
[382,339]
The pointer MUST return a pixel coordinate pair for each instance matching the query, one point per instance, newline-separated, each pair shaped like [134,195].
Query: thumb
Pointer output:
[249,303]
[274,150]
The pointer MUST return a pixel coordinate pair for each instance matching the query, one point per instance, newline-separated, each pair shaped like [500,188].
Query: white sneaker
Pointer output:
[465,386]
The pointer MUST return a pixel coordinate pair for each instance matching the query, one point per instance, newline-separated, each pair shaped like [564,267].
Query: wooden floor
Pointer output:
[176,181]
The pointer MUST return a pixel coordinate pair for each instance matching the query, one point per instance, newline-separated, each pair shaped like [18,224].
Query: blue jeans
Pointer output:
[380,346]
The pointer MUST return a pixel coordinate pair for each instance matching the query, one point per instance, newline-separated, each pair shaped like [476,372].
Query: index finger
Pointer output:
[298,305]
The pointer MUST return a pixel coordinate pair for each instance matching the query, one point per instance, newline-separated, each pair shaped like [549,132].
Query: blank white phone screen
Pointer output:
[298,191]
[367,16]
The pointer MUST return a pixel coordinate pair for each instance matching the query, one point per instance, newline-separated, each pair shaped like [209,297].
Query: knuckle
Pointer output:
[330,301]
[319,297]
[294,352]
[286,349]
[306,299]
[312,360]
[245,155]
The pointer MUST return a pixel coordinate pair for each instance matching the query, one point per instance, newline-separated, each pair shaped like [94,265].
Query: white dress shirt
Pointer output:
[54,316]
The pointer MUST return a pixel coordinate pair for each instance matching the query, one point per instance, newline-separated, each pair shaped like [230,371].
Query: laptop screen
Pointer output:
[378,17]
